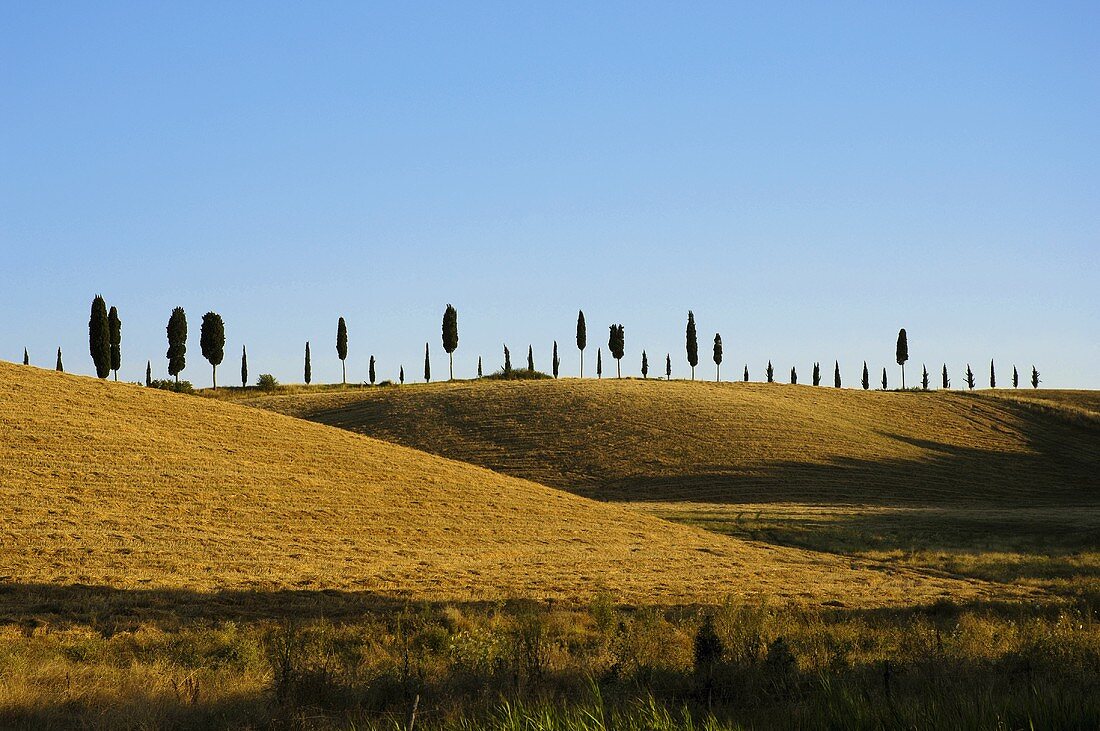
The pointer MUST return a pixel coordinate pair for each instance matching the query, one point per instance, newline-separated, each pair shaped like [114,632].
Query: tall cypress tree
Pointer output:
[401,375]
[902,354]
[616,344]
[427,365]
[507,360]
[924,378]
[479,366]
[817,373]
[969,377]
[177,343]
[450,336]
[61,368]
[308,371]
[599,363]
[342,348]
[148,373]
[582,337]
[555,363]
[692,344]
[946,381]
[26,357]
[836,374]
[99,337]
[794,376]
[114,332]
[1034,372]
[530,359]
[212,342]
[244,367]
[717,357]
[992,375]
[746,376]
[866,383]
[770,373]
[883,379]
[370,371]
[1015,377]
[668,366]
[645,365]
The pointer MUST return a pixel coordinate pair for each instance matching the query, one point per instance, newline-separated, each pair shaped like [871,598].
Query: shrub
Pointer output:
[267,382]
[166,385]
[517,375]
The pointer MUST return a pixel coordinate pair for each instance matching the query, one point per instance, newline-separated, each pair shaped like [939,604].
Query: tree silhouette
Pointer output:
[401,375]
[507,360]
[692,344]
[794,376]
[717,357]
[59,366]
[883,379]
[26,357]
[114,333]
[992,375]
[177,343]
[244,366]
[99,337]
[582,337]
[555,363]
[427,365]
[902,354]
[1034,372]
[817,373]
[746,377]
[1015,377]
[308,370]
[450,335]
[342,348]
[866,382]
[969,377]
[370,371]
[770,373]
[479,373]
[148,373]
[212,341]
[836,374]
[946,381]
[668,366]
[599,363]
[616,345]
[924,378]
[530,358]
[645,365]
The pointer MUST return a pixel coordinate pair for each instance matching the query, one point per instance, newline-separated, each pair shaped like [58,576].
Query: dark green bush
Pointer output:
[169,385]
[267,382]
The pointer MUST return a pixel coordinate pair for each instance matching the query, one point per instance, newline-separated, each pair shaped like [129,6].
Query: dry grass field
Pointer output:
[995,484]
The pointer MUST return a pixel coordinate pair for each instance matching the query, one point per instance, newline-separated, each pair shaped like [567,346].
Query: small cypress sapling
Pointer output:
[599,363]
[836,374]
[59,366]
[148,373]
[1015,377]
[26,357]
[817,373]
[883,379]
[530,359]
[866,383]
[668,366]
[244,367]
[794,376]
[450,336]
[692,344]
[924,378]
[746,375]
[582,337]
[212,342]
[308,371]
[427,365]
[946,381]
[99,337]
[370,371]
[717,356]
[770,373]
[114,331]
[1034,373]
[645,365]
[992,375]
[507,360]
[342,348]
[555,363]
[479,374]
[177,343]
[969,377]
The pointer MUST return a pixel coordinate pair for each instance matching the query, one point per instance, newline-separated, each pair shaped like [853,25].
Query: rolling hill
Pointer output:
[115,485]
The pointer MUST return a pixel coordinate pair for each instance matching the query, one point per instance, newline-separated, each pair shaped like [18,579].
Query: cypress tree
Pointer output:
[450,336]
[836,374]
[883,379]
[530,359]
[148,373]
[507,360]
[177,343]
[668,366]
[616,344]
[817,373]
[992,375]
[59,366]
[309,366]
[479,366]
[401,375]
[902,354]
[770,373]
[99,337]
[746,376]
[794,376]
[244,367]
[427,365]
[645,365]
[946,381]
[114,332]
[866,383]
[692,344]
[26,357]
[599,363]
[717,357]
[969,377]
[1034,372]
[582,337]
[924,378]
[555,363]
[370,370]
[342,348]
[212,342]
[1015,377]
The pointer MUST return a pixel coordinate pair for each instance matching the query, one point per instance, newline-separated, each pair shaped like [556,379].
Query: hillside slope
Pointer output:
[115,485]
[679,441]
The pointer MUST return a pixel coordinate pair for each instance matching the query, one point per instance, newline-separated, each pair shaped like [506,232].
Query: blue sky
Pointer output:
[806,178]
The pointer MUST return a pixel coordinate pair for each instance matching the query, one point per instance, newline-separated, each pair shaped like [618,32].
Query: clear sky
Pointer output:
[806,178]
